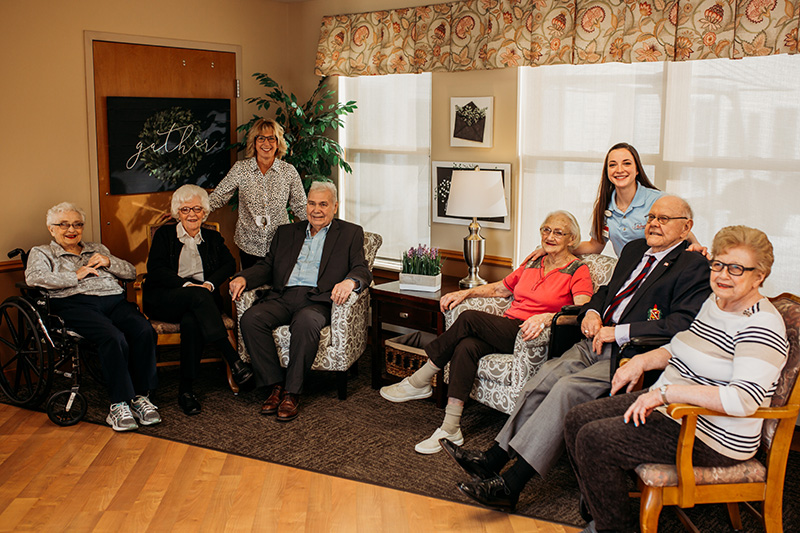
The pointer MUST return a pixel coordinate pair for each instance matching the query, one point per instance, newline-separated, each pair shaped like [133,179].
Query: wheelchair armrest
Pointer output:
[638,345]
[564,331]
[647,341]
[572,309]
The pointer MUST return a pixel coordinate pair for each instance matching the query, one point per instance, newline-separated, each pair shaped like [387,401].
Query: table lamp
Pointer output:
[475,193]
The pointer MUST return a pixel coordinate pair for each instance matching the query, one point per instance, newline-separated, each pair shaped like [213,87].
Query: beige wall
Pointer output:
[44,146]
[44,142]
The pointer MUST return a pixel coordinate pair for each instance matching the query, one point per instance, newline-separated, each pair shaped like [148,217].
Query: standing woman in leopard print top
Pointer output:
[266,185]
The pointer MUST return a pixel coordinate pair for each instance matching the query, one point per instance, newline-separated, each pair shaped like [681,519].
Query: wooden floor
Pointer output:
[89,478]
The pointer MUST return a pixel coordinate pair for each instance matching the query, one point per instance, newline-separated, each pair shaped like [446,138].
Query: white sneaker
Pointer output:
[144,411]
[431,444]
[120,417]
[405,391]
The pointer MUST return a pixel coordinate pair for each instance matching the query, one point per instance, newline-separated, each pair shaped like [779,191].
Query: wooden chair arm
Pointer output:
[137,289]
[683,456]
[682,410]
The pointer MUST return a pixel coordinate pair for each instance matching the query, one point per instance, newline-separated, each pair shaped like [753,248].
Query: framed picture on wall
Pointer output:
[442,174]
[471,121]
[159,144]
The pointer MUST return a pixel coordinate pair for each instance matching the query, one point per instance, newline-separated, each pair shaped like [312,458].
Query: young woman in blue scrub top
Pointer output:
[623,202]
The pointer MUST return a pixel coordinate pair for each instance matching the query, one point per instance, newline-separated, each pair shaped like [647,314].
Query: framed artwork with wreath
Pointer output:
[159,144]
[442,175]
[471,122]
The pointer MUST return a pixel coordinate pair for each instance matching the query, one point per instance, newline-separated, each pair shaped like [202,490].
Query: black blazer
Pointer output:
[342,257]
[162,264]
[678,285]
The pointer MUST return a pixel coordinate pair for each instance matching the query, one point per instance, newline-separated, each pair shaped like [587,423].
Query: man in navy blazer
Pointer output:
[657,288]
[310,265]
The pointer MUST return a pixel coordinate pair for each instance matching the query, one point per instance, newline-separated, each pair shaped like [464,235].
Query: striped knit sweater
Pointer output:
[740,353]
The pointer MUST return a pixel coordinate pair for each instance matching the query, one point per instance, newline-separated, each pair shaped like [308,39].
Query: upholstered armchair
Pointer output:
[683,485]
[501,376]
[341,343]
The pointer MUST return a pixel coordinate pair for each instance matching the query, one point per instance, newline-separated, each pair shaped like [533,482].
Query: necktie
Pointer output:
[627,291]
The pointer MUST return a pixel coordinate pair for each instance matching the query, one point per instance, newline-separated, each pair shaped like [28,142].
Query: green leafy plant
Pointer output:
[422,260]
[310,150]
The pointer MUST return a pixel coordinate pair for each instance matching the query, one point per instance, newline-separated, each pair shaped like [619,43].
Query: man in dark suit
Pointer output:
[310,264]
[657,288]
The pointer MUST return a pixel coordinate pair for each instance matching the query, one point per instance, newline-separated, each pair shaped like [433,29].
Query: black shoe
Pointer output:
[584,511]
[189,403]
[472,462]
[491,493]
[242,373]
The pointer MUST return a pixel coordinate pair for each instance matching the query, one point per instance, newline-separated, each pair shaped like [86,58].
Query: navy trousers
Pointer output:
[126,342]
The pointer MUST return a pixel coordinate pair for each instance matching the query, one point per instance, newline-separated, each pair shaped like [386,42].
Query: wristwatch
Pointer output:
[663,390]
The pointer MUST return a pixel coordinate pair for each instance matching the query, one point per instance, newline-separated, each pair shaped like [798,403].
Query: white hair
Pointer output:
[64,207]
[184,194]
[325,186]
[574,227]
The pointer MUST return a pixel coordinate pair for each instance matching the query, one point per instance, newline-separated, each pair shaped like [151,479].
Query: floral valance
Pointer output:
[490,34]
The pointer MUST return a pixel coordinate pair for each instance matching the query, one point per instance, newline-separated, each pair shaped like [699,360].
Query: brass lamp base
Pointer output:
[473,256]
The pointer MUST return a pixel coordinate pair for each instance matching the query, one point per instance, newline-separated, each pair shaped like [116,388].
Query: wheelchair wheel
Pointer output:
[26,362]
[66,408]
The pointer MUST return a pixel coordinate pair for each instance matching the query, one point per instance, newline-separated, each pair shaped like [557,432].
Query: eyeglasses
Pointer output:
[733,268]
[557,233]
[185,210]
[66,225]
[266,138]
[663,219]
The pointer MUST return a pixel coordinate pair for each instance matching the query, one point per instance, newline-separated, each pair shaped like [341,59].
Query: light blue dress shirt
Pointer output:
[306,270]
[627,226]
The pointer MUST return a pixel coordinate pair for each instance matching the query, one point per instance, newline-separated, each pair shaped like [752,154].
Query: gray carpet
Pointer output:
[368,439]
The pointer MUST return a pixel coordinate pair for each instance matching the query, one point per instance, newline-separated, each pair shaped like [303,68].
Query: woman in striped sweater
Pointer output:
[729,360]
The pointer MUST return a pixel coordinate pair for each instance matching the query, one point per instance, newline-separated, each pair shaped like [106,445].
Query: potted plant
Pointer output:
[422,269]
[312,153]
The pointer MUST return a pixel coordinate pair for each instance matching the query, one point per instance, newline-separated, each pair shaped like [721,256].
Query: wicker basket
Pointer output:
[405,354]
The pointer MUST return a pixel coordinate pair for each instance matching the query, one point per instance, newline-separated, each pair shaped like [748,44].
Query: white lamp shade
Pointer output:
[477,193]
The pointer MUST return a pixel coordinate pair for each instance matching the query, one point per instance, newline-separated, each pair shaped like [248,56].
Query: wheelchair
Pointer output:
[36,346]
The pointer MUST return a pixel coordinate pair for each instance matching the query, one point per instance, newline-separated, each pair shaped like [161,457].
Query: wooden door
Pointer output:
[122,69]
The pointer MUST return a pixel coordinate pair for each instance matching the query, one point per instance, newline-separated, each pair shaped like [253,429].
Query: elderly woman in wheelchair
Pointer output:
[540,288]
[82,281]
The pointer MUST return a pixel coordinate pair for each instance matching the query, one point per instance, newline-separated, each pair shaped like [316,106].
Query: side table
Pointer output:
[409,309]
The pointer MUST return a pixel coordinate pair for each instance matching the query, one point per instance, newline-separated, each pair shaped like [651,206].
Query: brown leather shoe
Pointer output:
[289,407]
[270,406]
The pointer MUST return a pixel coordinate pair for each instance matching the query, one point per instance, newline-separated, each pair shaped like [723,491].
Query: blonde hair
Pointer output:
[258,128]
[756,240]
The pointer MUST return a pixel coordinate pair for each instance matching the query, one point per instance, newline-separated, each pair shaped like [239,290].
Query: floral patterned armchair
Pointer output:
[341,343]
[501,376]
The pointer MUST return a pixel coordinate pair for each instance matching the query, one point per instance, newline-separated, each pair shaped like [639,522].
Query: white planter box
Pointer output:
[418,282]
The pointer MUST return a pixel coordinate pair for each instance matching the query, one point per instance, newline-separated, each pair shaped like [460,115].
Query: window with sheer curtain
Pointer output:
[387,142]
[724,135]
